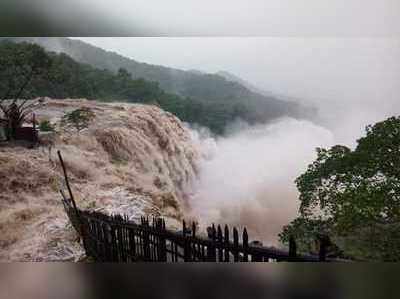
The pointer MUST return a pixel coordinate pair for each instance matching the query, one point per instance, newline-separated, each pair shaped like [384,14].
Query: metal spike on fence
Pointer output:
[214,232]
[159,223]
[193,230]
[219,233]
[219,237]
[226,240]
[226,233]
[183,227]
[245,238]
[235,244]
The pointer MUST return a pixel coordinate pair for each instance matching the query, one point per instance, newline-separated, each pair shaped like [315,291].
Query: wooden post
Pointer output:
[292,249]
[67,180]
[162,245]
[82,228]
[194,247]
[220,244]
[35,133]
[245,238]
[322,248]
[187,256]
[193,230]
[226,245]
[235,245]
[132,244]
[146,241]
[121,244]
[211,255]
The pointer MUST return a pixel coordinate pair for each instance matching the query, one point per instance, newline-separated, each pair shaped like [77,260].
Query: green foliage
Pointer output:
[78,119]
[46,126]
[206,99]
[22,66]
[353,192]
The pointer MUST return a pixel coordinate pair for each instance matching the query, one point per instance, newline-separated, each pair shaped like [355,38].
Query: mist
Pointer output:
[247,177]
[351,81]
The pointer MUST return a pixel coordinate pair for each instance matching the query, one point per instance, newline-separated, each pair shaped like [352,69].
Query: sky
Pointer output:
[353,81]
[333,18]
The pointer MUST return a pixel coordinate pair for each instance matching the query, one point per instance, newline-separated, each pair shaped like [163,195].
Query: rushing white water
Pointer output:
[133,160]
[247,178]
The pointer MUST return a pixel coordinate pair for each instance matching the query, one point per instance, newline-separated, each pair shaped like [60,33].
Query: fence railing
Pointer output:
[117,239]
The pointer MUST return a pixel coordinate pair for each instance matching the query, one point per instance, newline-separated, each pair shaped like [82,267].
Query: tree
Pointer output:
[21,65]
[78,119]
[355,193]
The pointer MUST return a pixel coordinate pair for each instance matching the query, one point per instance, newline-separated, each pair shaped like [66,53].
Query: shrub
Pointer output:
[46,126]
[78,119]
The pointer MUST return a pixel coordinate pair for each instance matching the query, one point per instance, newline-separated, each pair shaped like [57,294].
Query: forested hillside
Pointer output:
[213,93]
[67,78]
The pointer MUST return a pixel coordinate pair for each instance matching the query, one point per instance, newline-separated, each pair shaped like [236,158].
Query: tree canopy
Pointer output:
[355,193]
[22,67]
[209,100]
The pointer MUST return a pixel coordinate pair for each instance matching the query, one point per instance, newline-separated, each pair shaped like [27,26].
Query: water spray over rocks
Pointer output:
[133,159]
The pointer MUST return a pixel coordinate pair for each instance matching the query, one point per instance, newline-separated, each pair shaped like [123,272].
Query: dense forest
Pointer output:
[352,196]
[67,78]
[212,100]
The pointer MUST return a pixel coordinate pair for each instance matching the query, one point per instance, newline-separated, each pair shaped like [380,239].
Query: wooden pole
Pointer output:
[235,244]
[292,249]
[226,245]
[245,239]
[322,248]
[67,181]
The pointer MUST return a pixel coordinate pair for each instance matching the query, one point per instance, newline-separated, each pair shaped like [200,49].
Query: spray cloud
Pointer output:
[247,177]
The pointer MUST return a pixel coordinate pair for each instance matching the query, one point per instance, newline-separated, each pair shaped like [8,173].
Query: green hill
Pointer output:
[208,99]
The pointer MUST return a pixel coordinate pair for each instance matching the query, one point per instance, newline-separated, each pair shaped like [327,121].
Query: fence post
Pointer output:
[245,239]
[226,241]
[187,255]
[195,251]
[146,241]
[292,249]
[220,244]
[235,245]
[34,131]
[121,242]
[211,255]
[162,246]
[81,225]
[322,248]
[132,244]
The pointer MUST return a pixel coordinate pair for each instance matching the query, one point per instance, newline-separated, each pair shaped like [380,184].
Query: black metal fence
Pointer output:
[116,239]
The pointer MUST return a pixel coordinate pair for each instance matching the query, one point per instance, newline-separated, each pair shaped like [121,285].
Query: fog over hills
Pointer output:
[219,90]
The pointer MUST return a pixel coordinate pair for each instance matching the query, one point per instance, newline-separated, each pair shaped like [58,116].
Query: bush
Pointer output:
[46,126]
[78,119]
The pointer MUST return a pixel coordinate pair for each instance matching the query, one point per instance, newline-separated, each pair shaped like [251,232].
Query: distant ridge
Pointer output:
[223,91]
